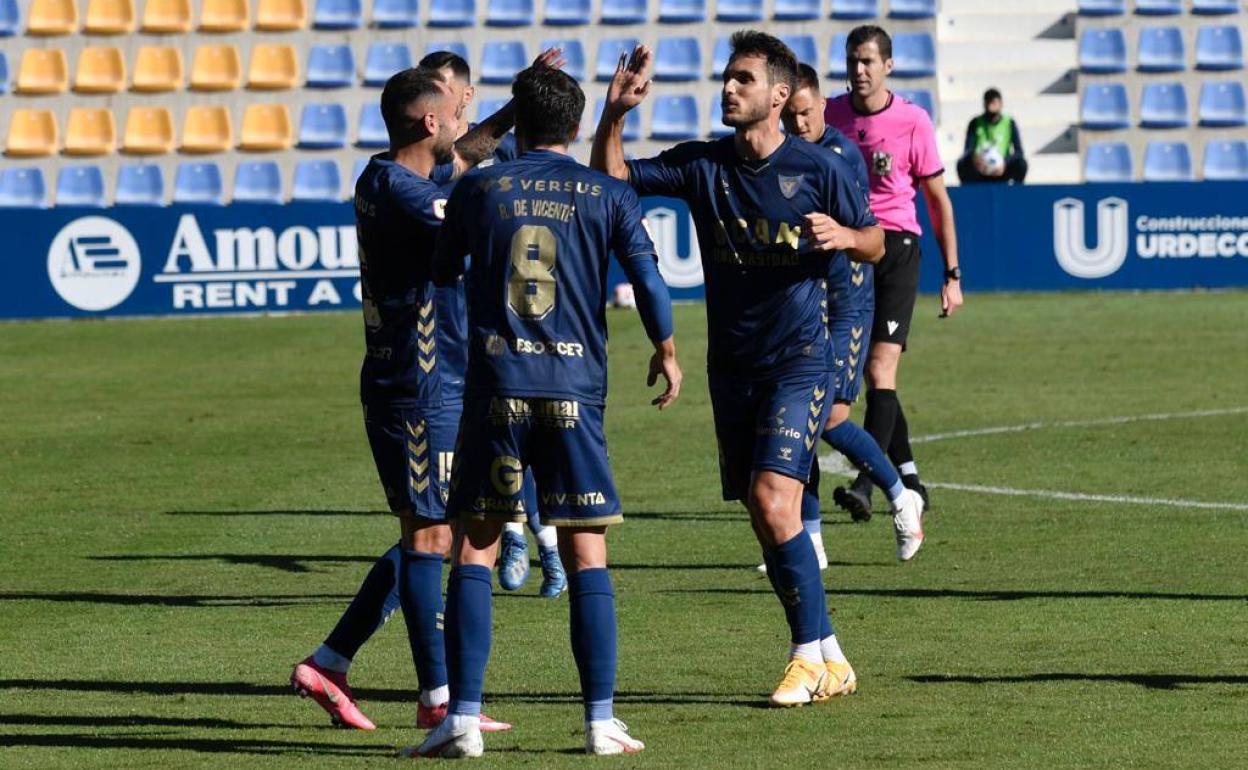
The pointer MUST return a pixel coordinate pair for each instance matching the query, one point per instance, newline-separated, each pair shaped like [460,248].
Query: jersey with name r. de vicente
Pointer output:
[849,297]
[539,231]
[765,279]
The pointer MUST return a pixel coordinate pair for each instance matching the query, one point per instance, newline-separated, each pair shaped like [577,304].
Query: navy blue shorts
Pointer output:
[851,310]
[413,448]
[561,441]
[767,425]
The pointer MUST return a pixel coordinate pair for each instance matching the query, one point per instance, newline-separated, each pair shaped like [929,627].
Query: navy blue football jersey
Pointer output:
[505,151]
[850,297]
[414,332]
[539,231]
[765,280]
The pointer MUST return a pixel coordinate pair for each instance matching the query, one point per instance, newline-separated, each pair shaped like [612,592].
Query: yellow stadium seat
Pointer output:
[149,131]
[32,133]
[266,127]
[215,68]
[43,71]
[52,17]
[223,16]
[109,17]
[273,66]
[207,129]
[91,131]
[167,16]
[157,68]
[101,70]
[281,15]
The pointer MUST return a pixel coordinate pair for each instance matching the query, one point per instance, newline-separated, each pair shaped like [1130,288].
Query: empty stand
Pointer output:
[677,59]
[487,107]
[52,17]
[337,14]
[331,66]
[101,70]
[1108,162]
[4,73]
[455,47]
[383,60]
[573,55]
[675,118]
[567,13]
[148,131]
[266,128]
[682,11]
[452,13]
[1103,50]
[157,68]
[797,10]
[1160,49]
[718,129]
[207,129]
[855,10]
[396,14]
[317,180]
[1158,7]
[624,12]
[1215,7]
[43,71]
[912,9]
[1105,106]
[32,133]
[1163,105]
[140,184]
[10,18]
[357,169]
[804,47]
[836,57]
[1102,7]
[167,17]
[719,57]
[1225,161]
[198,183]
[216,68]
[501,60]
[372,133]
[281,15]
[1222,104]
[1167,162]
[109,17]
[80,186]
[914,55]
[90,131]
[739,10]
[1219,48]
[224,16]
[322,127]
[274,66]
[257,182]
[23,188]
[509,13]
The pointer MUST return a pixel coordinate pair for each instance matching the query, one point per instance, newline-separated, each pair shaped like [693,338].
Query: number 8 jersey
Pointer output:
[538,231]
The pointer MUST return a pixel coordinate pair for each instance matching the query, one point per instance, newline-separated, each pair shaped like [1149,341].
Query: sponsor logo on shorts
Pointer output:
[573,499]
[786,453]
[775,426]
[547,412]
[507,475]
[892,327]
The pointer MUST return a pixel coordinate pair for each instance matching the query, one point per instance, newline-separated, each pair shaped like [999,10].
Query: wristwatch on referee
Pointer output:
[953,274]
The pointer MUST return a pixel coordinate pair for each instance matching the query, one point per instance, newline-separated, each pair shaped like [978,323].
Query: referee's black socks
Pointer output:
[880,421]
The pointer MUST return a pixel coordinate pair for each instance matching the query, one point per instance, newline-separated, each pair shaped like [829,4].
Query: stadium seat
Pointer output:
[855,9]
[32,133]
[52,17]
[914,55]
[1219,48]
[331,66]
[167,17]
[337,14]
[1222,104]
[43,71]
[257,182]
[675,117]
[149,131]
[372,133]
[1105,106]
[719,57]
[487,107]
[90,131]
[383,60]
[266,128]
[836,57]
[274,66]
[501,60]
[223,16]
[101,70]
[281,15]
[1108,162]
[198,183]
[317,180]
[1160,49]
[718,128]
[632,121]
[10,18]
[157,68]
[80,186]
[912,9]
[1103,50]
[797,10]
[1102,7]
[207,128]
[1215,7]
[567,13]
[216,68]
[1163,105]
[609,52]
[1226,161]
[804,47]
[573,55]
[678,59]
[624,12]
[357,169]
[739,10]
[1167,162]
[322,127]
[4,73]
[140,184]
[452,13]
[920,96]
[396,14]
[509,13]
[1158,7]
[682,11]
[109,17]
[23,188]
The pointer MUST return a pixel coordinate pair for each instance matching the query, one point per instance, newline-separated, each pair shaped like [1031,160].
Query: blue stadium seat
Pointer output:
[719,57]
[331,66]
[1222,104]
[921,97]
[739,10]
[487,107]
[1102,7]
[573,55]
[1158,7]
[140,184]
[1105,106]
[372,133]
[1219,48]
[718,128]
[383,60]
[804,47]
[454,46]
[797,10]
[675,117]
[452,13]
[198,183]
[258,182]
[80,186]
[681,11]
[855,9]
[568,13]
[501,60]
[624,12]
[678,59]
[1226,161]
[396,14]
[1163,105]
[912,9]
[836,56]
[509,13]
[632,122]
[1103,50]
[1215,7]
[4,73]
[357,168]
[1160,49]
[10,18]
[323,127]
[1108,162]
[914,55]
[337,14]
[1167,162]
[317,180]
[609,52]
[23,188]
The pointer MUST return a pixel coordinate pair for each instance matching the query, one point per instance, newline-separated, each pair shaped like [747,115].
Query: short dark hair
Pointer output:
[437,60]
[806,78]
[867,33]
[781,61]
[549,104]
[403,89]
[991,94]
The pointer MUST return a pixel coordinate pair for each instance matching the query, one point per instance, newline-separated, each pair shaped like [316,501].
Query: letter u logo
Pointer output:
[679,272]
[1069,245]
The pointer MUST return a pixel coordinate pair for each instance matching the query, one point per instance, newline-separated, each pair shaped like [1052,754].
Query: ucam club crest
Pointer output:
[94,263]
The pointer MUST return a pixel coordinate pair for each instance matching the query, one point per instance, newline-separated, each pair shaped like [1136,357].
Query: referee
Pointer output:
[899,145]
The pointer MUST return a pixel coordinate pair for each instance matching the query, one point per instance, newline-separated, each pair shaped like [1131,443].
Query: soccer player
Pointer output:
[770,210]
[538,231]
[899,144]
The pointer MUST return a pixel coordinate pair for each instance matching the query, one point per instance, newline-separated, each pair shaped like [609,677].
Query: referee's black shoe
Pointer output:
[855,500]
[911,481]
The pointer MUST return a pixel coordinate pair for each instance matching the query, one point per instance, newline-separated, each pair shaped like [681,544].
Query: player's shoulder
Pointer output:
[710,150]
[815,155]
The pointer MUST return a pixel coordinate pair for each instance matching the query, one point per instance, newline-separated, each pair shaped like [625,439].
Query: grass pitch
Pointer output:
[188,505]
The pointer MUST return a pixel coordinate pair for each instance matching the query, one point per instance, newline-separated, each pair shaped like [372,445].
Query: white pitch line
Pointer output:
[1078,424]
[1081,497]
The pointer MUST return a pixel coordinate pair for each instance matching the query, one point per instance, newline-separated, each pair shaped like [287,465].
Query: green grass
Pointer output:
[186,509]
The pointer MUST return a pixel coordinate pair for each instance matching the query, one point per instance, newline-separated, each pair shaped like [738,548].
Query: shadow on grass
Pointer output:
[285,562]
[134,720]
[201,745]
[1150,681]
[985,595]
[174,600]
[277,513]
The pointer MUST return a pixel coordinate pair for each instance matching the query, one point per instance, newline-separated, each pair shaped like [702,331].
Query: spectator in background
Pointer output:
[994,149]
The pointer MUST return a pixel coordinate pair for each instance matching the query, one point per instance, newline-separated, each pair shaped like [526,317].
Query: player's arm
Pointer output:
[450,255]
[846,223]
[628,88]
[940,210]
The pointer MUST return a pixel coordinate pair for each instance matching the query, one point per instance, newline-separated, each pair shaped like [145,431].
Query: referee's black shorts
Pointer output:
[896,285]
